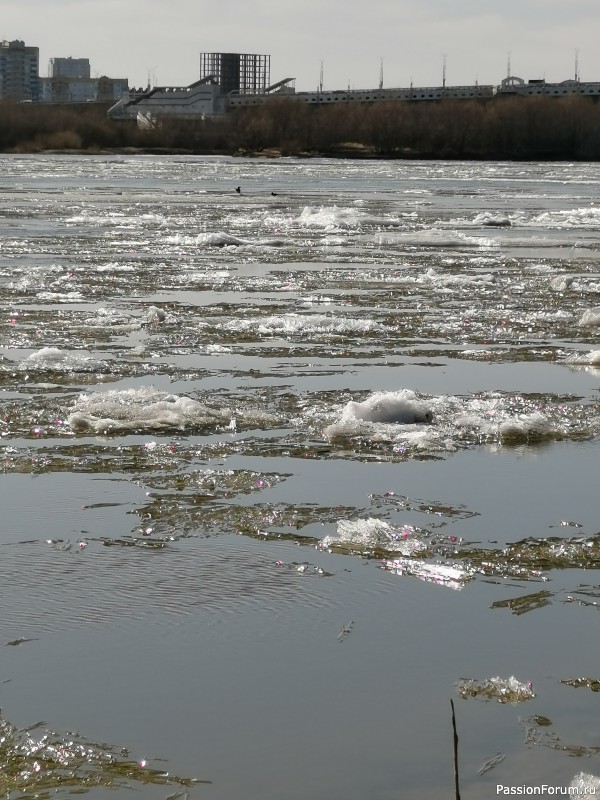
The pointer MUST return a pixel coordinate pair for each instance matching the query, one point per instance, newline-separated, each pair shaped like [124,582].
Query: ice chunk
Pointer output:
[391,409]
[504,690]
[442,574]
[403,407]
[52,359]
[590,318]
[492,221]
[144,408]
[375,534]
[560,283]
[527,427]
[591,358]
[220,239]
[585,784]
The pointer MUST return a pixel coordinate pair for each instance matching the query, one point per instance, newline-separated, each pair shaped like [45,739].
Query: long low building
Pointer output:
[514,85]
[206,99]
[369,95]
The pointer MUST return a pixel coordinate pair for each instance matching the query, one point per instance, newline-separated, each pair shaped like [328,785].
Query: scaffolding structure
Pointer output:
[240,73]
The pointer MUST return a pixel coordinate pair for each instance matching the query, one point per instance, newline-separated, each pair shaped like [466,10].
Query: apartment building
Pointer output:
[69,81]
[19,71]
[69,68]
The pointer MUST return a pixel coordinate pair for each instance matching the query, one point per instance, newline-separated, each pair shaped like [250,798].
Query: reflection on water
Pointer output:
[248,443]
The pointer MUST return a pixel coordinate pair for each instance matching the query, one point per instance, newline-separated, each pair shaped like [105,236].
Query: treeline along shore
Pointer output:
[498,128]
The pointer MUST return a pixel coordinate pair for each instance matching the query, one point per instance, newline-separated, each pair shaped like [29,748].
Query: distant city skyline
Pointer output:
[148,41]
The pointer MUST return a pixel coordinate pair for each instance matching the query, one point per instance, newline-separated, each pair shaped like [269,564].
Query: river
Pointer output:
[284,470]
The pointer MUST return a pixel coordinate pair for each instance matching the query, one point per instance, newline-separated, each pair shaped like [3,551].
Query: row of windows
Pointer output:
[351,98]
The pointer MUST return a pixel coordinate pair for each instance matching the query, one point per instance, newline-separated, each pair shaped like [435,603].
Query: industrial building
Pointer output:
[198,100]
[237,80]
[223,76]
[19,71]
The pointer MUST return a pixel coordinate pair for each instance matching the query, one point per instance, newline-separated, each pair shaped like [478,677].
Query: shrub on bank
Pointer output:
[504,127]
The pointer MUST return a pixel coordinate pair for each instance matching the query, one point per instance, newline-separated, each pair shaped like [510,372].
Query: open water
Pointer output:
[281,468]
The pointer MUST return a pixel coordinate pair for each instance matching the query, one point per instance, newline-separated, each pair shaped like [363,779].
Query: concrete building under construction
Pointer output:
[239,73]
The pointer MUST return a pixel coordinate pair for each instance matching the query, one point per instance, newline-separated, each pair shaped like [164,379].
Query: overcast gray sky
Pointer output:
[162,39]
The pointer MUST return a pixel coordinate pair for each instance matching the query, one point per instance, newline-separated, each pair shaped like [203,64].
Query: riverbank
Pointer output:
[502,128]
[344,150]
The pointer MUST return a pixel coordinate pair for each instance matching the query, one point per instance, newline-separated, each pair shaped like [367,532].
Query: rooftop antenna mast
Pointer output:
[321,78]
[380,74]
[508,65]
[444,71]
[576,65]
[151,77]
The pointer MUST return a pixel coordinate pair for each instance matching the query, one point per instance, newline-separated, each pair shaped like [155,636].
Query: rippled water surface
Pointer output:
[281,468]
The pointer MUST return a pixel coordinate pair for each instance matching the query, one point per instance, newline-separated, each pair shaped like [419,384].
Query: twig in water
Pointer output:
[345,631]
[456,786]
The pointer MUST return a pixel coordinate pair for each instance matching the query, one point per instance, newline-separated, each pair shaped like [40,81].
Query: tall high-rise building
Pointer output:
[19,71]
